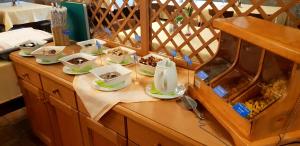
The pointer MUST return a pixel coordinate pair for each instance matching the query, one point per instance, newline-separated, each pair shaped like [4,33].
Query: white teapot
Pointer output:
[165,77]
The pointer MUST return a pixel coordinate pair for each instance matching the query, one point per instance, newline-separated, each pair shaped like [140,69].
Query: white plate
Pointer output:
[69,71]
[21,53]
[122,85]
[40,61]
[179,91]
[131,61]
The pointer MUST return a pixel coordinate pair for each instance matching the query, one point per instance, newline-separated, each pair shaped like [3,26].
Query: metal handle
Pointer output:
[199,114]
[56,92]
[26,75]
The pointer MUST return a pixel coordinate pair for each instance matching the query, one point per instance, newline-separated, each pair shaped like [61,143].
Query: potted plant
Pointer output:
[188,11]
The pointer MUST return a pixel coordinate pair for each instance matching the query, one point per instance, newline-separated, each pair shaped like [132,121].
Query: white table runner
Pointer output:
[97,103]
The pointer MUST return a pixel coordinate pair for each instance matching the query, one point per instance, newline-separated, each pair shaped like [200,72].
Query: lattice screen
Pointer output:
[192,34]
[116,20]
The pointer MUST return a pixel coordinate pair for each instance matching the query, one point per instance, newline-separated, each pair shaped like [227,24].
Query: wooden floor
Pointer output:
[15,130]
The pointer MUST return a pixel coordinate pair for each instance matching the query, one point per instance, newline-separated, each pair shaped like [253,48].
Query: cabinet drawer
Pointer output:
[144,136]
[114,121]
[59,92]
[28,75]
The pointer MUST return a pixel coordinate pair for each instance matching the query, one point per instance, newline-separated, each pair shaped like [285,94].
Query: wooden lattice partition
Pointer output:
[116,21]
[152,25]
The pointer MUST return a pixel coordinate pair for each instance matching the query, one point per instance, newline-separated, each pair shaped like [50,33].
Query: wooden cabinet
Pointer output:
[65,122]
[37,112]
[97,133]
[52,112]
[58,117]
[145,136]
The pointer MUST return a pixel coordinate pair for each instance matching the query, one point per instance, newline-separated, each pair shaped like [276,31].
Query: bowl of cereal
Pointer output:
[120,55]
[48,54]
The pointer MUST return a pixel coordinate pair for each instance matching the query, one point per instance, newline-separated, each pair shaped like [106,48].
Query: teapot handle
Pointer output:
[164,80]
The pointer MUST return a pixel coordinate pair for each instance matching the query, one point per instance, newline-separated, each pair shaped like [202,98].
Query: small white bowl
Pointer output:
[148,68]
[90,47]
[125,73]
[83,67]
[39,53]
[29,49]
[119,59]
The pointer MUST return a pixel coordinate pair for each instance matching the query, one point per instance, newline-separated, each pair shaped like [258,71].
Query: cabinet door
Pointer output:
[145,136]
[95,134]
[65,122]
[37,112]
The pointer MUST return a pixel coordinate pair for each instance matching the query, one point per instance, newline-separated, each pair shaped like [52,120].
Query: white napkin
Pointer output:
[97,103]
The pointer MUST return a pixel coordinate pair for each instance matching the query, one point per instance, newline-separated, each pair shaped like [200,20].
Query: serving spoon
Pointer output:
[190,103]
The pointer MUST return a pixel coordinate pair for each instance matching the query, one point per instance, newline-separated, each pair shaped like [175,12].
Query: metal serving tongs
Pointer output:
[191,104]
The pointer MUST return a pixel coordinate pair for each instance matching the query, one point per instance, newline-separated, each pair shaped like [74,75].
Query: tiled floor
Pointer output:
[15,130]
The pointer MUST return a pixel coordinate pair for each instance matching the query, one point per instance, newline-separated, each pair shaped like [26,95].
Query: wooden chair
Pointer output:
[41,25]
[170,9]
[2,28]
[116,26]
[256,15]
[226,14]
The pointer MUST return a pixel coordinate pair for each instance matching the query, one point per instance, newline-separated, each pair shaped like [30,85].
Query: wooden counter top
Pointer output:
[167,117]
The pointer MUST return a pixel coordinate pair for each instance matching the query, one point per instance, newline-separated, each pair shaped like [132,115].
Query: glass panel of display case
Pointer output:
[224,58]
[242,75]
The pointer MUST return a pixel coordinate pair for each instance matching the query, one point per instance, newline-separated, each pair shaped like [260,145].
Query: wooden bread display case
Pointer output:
[251,84]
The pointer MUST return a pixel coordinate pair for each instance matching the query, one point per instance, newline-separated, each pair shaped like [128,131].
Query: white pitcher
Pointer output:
[165,77]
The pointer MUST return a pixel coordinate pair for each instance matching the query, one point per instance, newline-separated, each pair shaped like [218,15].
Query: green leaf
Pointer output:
[188,11]
[147,72]
[45,60]
[104,85]
[153,90]
[84,69]
[178,19]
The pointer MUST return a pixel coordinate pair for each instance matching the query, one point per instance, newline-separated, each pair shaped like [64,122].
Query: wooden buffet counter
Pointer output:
[56,118]
[250,86]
